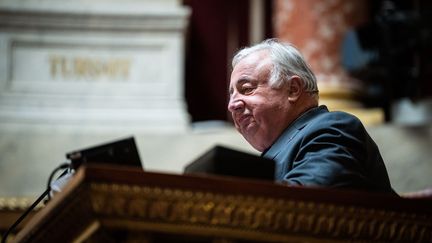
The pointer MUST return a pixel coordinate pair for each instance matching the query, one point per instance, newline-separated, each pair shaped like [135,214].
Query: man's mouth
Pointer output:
[244,120]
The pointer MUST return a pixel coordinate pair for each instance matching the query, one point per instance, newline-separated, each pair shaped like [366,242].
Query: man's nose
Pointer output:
[235,105]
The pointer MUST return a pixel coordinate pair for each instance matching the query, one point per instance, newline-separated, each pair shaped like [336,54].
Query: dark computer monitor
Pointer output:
[121,152]
[224,161]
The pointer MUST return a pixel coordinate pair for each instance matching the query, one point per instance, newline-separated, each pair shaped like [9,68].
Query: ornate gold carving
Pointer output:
[158,209]
[269,215]
[17,203]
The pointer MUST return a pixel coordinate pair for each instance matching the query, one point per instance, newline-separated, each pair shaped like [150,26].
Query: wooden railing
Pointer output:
[108,204]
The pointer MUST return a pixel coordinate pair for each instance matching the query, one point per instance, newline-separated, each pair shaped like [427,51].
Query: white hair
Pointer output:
[287,61]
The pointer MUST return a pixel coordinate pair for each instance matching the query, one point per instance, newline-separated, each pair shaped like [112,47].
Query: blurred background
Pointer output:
[77,74]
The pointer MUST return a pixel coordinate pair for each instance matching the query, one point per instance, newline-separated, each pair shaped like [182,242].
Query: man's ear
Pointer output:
[295,88]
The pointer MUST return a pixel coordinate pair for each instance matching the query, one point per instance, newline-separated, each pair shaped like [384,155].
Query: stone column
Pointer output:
[317,28]
[93,65]
[76,74]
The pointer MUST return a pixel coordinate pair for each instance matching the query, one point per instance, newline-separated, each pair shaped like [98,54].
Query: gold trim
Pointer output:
[336,92]
[177,209]
[17,203]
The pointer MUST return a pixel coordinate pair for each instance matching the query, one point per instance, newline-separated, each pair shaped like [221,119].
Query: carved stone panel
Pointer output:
[93,65]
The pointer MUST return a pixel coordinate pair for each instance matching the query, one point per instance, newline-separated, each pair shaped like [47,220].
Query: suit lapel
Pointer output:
[282,143]
[291,131]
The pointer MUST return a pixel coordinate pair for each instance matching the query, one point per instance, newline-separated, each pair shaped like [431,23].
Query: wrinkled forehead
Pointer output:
[251,66]
[252,58]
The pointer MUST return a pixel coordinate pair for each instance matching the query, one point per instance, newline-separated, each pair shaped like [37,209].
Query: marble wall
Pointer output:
[317,29]
[80,73]
[92,65]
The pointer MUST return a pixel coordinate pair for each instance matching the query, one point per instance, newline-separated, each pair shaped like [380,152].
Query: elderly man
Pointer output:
[274,105]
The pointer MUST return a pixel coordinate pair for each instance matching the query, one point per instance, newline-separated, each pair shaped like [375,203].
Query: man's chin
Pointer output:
[255,144]
[252,139]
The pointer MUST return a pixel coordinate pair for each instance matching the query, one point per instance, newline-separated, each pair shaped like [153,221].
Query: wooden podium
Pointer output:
[111,204]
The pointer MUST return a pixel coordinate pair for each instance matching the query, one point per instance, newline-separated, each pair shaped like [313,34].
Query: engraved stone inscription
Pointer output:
[82,67]
[79,63]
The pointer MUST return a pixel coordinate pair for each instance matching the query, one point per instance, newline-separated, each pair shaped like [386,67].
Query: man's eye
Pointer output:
[247,89]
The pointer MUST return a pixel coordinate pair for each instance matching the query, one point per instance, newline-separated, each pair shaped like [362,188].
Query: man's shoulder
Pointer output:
[335,117]
[330,120]
[321,120]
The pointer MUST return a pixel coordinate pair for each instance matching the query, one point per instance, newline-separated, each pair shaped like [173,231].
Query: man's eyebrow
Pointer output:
[239,82]
[244,80]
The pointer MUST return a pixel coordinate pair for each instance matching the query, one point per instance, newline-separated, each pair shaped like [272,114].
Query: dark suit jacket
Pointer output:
[330,149]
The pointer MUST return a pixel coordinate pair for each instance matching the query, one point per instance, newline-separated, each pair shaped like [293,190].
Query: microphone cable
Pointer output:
[38,200]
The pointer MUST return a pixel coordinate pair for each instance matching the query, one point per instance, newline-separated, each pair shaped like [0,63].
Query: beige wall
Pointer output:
[27,158]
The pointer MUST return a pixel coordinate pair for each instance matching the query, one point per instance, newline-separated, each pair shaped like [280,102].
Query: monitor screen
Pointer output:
[224,161]
[121,152]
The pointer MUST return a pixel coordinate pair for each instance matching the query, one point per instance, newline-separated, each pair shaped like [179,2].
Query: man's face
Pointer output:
[260,112]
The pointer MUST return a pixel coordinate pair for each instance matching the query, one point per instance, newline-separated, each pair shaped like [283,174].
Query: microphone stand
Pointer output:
[38,200]
[42,196]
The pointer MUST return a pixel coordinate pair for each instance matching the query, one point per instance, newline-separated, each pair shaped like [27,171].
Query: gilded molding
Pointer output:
[17,203]
[247,213]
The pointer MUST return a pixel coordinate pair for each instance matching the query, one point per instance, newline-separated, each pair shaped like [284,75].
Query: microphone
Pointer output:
[58,185]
